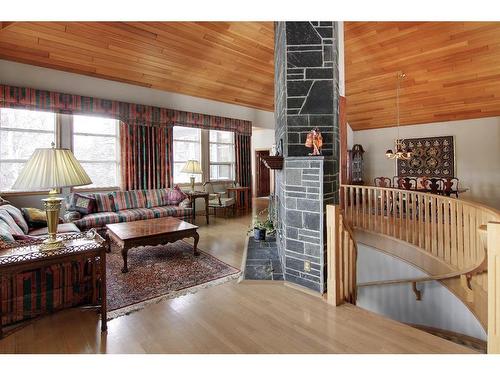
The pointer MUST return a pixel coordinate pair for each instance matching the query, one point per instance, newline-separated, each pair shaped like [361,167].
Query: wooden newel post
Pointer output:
[493,288]
[334,286]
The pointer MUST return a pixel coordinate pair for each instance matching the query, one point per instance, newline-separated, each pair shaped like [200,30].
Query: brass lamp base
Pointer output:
[52,205]
[192,183]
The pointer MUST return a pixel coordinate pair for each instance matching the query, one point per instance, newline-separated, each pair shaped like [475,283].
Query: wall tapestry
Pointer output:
[433,157]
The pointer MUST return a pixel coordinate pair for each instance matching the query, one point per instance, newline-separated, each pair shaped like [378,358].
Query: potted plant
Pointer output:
[262,226]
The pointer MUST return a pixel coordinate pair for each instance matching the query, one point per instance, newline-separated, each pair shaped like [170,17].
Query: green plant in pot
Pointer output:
[262,226]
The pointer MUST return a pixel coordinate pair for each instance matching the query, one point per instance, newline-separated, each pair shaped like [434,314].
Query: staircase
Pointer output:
[455,242]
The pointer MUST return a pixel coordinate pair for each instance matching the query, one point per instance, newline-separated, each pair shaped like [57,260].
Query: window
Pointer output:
[96,147]
[221,155]
[187,146]
[21,132]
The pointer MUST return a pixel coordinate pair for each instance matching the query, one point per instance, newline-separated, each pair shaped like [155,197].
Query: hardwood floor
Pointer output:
[249,317]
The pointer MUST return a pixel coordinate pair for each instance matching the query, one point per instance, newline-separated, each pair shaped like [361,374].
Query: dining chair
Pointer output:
[450,186]
[421,183]
[407,183]
[384,182]
[434,185]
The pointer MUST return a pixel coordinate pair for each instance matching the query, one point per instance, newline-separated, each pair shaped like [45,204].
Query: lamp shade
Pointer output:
[192,166]
[51,168]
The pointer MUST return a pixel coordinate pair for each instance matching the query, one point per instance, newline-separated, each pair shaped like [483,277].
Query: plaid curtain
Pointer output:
[131,113]
[243,160]
[145,156]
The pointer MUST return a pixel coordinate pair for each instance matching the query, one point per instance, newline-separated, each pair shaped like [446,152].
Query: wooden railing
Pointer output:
[446,229]
[341,259]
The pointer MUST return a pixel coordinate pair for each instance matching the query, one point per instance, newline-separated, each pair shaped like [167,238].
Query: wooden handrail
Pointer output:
[341,258]
[447,229]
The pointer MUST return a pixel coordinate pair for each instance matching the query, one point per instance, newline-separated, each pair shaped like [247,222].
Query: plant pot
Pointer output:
[259,234]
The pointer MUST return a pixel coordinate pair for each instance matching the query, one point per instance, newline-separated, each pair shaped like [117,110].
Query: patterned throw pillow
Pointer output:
[5,235]
[17,215]
[83,204]
[7,219]
[155,197]
[35,217]
[104,202]
[175,196]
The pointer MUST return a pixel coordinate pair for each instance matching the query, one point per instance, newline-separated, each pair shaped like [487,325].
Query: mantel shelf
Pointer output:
[273,162]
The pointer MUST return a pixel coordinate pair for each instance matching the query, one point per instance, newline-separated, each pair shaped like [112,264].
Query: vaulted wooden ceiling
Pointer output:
[225,61]
[452,68]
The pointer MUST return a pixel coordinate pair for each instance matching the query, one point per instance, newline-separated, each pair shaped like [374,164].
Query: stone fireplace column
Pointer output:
[306,96]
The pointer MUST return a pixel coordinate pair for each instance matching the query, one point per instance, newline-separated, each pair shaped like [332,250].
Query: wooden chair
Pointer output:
[421,183]
[218,200]
[434,185]
[450,186]
[407,183]
[384,182]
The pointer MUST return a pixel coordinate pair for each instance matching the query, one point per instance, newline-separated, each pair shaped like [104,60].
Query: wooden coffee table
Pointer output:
[149,232]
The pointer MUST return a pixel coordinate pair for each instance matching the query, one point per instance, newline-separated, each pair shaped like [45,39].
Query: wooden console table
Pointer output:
[242,196]
[25,256]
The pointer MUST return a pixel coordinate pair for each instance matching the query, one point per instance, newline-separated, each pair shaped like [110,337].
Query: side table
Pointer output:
[193,195]
[238,193]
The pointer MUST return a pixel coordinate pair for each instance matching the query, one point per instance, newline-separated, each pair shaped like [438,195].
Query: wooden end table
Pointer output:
[149,232]
[28,255]
[238,192]
[192,195]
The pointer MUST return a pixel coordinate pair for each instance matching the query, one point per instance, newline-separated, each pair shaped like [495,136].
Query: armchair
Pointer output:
[218,200]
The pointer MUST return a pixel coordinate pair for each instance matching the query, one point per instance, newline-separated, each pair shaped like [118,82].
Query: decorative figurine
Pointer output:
[315,141]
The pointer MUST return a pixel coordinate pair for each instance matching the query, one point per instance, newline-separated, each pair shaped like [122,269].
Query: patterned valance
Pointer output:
[132,114]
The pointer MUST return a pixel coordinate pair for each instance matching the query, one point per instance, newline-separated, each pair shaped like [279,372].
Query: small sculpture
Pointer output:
[315,141]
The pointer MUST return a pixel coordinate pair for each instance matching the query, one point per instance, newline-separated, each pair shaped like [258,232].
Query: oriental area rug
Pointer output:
[160,272]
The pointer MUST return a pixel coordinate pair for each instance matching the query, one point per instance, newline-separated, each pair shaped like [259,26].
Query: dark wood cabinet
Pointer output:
[355,165]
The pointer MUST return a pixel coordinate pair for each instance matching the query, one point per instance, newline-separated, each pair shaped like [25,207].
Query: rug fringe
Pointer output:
[141,305]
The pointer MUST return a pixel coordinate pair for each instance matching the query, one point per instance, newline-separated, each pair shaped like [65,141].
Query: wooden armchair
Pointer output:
[218,200]
[434,185]
[384,182]
[407,183]
[450,186]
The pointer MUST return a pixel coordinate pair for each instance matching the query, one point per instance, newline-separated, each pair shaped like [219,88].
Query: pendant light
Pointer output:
[398,143]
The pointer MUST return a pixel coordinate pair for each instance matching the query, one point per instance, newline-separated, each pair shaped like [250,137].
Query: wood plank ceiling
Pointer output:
[452,68]
[225,61]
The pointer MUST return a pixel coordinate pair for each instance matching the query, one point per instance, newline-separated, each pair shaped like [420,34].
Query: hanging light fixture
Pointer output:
[399,153]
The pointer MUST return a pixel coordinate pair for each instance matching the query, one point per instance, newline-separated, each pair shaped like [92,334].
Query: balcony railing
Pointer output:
[461,236]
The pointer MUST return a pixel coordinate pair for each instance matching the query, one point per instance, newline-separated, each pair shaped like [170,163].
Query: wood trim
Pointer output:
[343,139]
[494,288]
[456,337]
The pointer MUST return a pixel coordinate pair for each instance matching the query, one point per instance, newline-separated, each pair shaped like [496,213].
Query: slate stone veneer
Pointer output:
[306,96]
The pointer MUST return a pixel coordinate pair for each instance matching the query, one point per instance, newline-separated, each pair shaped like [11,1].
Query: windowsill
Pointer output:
[96,189]
[19,193]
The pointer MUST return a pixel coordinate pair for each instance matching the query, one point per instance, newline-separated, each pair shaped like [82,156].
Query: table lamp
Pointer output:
[51,168]
[192,167]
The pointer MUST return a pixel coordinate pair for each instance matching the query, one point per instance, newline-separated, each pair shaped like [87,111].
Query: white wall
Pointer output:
[477,154]
[438,308]
[16,74]
[262,139]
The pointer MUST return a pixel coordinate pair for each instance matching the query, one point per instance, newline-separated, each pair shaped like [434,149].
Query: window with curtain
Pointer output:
[222,161]
[21,132]
[186,146]
[96,147]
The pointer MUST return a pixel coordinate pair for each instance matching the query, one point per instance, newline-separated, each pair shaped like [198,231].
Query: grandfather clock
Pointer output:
[355,165]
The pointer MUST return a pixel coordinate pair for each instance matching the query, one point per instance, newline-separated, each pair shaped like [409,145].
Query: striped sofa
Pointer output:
[125,206]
